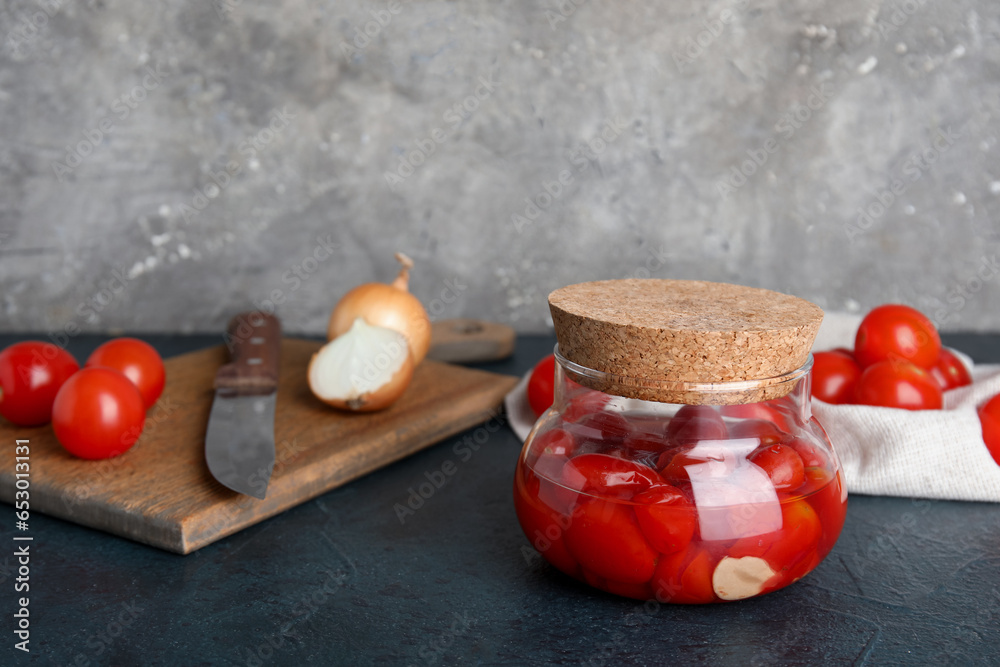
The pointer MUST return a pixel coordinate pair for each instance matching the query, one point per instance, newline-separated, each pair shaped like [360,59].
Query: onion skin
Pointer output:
[379,399]
[386,305]
[383,305]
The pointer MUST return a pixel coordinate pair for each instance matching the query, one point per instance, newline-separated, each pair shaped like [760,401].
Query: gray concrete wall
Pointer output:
[163,164]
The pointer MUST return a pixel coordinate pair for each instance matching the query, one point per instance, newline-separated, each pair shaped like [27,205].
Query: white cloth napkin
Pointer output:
[937,454]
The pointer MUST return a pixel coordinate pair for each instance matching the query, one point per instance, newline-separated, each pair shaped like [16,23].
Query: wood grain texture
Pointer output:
[465,340]
[161,492]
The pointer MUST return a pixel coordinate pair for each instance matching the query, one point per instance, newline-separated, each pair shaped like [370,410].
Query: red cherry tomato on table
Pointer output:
[989,417]
[98,413]
[31,373]
[894,331]
[950,372]
[541,384]
[135,359]
[835,376]
[898,384]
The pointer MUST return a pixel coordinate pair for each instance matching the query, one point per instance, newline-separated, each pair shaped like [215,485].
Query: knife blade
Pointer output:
[239,441]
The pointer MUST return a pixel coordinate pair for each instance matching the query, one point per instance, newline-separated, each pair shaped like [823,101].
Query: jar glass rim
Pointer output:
[606,379]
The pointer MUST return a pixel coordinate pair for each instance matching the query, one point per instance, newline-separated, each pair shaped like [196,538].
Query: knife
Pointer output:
[239,443]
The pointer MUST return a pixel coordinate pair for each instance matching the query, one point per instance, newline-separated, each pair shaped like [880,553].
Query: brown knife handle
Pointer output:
[254,342]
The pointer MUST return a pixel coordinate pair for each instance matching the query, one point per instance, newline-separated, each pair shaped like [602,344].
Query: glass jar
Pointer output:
[708,501]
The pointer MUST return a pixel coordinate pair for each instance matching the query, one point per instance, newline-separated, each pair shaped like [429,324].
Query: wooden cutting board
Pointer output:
[161,493]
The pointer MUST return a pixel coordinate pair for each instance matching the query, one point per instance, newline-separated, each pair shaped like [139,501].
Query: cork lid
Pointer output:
[659,336]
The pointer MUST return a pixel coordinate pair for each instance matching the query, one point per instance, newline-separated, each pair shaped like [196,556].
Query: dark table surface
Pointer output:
[342,580]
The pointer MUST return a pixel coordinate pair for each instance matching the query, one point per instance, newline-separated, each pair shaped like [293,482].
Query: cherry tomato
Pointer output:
[788,550]
[549,469]
[549,465]
[673,464]
[782,464]
[609,428]
[605,538]
[584,404]
[989,417]
[541,525]
[830,503]
[645,445]
[596,581]
[950,372]
[895,331]
[816,478]
[898,384]
[617,451]
[788,412]
[555,441]
[764,431]
[138,361]
[666,518]
[98,413]
[541,384]
[693,423]
[809,453]
[604,475]
[685,577]
[801,530]
[706,459]
[31,373]
[761,410]
[834,378]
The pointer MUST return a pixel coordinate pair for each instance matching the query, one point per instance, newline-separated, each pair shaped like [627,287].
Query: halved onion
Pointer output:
[365,369]
[386,305]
